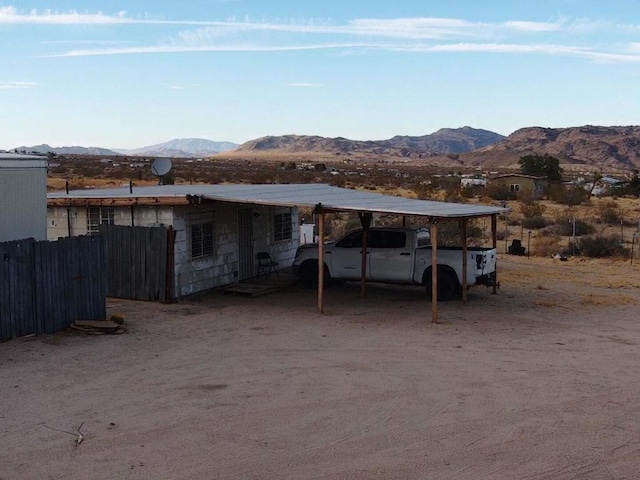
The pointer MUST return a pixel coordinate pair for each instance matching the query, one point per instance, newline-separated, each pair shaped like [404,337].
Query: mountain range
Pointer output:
[605,148]
[444,141]
[178,148]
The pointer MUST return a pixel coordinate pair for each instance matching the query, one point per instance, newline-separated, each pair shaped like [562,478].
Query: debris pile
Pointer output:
[98,327]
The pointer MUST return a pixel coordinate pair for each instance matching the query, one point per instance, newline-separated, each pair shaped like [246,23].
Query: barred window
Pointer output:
[282,226]
[201,240]
[97,216]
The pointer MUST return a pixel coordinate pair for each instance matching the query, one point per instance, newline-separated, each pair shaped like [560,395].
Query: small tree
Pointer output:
[568,195]
[541,165]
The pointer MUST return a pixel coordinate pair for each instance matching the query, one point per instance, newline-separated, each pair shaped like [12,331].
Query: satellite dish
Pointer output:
[160,167]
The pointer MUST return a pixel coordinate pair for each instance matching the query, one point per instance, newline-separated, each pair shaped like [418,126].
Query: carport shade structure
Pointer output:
[323,199]
[328,199]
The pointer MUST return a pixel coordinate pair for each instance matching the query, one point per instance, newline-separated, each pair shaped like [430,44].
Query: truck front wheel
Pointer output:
[309,275]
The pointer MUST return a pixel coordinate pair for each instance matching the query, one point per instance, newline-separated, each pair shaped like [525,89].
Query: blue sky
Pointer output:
[125,74]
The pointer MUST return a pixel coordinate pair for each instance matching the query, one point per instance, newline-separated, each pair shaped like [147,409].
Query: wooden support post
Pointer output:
[494,236]
[321,261]
[463,234]
[365,221]
[434,271]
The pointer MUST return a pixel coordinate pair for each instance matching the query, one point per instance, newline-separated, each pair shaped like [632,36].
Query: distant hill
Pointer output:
[179,148]
[45,149]
[614,148]
[605,148]
[444,141]
[182,147]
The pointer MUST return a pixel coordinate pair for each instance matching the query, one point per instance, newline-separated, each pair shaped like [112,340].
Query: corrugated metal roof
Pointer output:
[15,160]
[302,195]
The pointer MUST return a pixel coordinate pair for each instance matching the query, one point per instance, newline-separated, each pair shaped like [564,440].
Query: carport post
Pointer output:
[320,260]
[365,221]
[463,234]
[434,270]
[494,234]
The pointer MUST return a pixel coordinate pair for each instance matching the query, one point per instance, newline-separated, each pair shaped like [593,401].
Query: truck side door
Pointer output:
[391,257]
[346,257]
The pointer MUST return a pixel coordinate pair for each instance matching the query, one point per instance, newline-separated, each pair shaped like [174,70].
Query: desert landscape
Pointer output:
[536,382]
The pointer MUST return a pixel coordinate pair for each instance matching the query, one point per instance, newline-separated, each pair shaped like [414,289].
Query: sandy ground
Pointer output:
[537,382]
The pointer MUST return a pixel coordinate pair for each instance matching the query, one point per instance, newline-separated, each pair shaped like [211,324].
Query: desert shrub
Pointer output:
[472,191]
[500,192]
[609,212]
[535,222]
[564,226]
[531,208]
[598,246]
[546,246]
[449,234]
[567,195]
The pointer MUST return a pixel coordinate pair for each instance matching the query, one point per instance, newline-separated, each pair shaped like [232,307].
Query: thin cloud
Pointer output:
[304,85]
[10,15]
[561,36]
[16,85]
[632,55]
[212,48]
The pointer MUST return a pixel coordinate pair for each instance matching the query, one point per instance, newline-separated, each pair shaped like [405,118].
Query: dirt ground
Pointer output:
[537,382]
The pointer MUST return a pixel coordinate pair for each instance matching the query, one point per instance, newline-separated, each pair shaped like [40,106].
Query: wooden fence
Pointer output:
[139,262]
[45,286]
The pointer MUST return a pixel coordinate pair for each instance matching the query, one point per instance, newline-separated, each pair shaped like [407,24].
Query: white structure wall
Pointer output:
[73,221]
[193,275]
[23,197]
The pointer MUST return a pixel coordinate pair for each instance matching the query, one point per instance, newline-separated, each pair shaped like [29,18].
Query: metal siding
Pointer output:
[23,202]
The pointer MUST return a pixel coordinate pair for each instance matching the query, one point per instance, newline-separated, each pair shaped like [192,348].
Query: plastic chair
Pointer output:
[266,265]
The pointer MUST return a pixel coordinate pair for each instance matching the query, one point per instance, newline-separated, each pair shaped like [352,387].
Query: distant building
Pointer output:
[528,184]
[23,197]
[473,182]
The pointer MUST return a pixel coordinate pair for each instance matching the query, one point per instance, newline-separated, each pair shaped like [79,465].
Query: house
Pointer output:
[602,186]
[23,197]
[528,184]
[219,229]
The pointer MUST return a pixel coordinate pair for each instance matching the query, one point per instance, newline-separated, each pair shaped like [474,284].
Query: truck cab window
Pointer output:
[351,241]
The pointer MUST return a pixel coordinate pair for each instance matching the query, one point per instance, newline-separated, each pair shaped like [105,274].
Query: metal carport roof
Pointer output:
[305,195]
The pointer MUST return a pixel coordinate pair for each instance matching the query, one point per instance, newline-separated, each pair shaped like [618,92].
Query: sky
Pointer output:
[127,74]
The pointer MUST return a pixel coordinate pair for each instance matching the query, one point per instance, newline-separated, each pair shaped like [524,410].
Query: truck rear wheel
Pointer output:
[447,286]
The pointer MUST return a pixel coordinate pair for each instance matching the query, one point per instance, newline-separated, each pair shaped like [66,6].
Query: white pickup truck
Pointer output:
[397,255]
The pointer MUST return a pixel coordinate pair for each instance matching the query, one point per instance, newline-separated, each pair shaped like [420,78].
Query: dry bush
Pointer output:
[568,195]
[546,246]
[531,209]
[500,192]
[598,246]
[609,212]
[535,222]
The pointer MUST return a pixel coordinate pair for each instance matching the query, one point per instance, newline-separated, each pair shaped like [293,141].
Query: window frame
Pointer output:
[103,215]
[204,248]
[282,225]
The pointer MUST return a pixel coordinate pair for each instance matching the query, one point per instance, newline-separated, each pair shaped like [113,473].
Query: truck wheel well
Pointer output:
[442,270]
[309,273]
[448,283]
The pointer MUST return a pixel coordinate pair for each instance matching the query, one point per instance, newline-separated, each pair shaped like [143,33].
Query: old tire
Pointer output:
[447,286]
